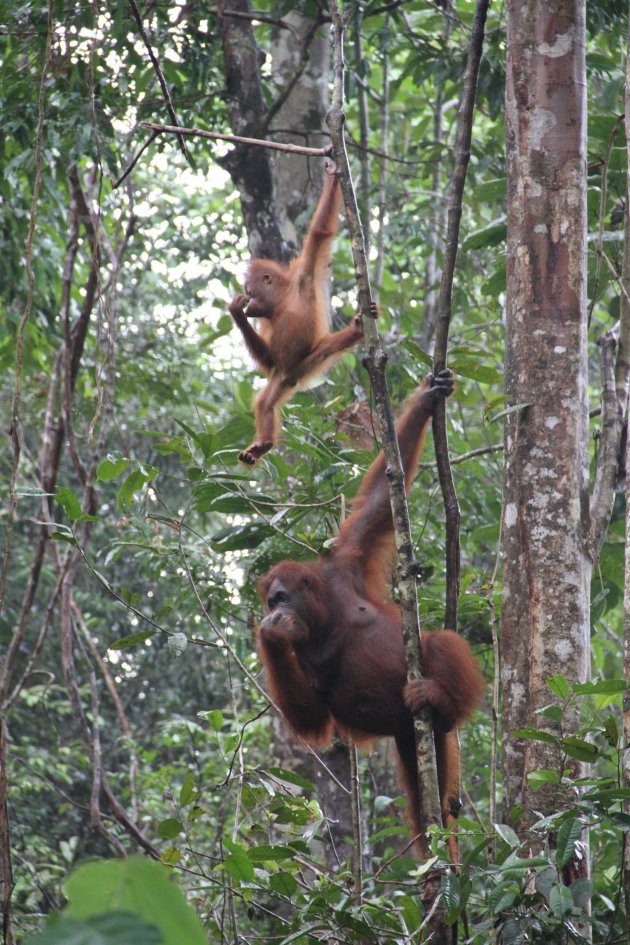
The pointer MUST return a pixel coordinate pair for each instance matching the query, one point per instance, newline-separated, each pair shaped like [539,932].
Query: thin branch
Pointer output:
[135,159]
[464,457]
[605,164]
[364,128]
[120,709]
[238,139]
[379,268]
[429,812]
[158,71]
[456,192]
[608,458]
[6,868]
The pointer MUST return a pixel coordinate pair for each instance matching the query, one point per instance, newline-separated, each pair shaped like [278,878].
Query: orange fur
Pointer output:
[332,643]
[293,344]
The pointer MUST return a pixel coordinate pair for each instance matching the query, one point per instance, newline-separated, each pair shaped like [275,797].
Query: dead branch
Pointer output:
[158,71]
[239,139]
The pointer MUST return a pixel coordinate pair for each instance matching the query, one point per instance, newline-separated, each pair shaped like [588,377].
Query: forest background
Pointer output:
[133,716]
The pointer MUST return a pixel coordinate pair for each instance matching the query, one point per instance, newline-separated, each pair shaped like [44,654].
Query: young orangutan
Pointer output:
[332,644]
[293,344]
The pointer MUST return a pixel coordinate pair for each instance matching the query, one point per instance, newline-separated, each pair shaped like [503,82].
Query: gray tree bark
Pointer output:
[547,569]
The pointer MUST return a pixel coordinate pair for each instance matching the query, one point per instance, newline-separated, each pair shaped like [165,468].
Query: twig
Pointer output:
[135,159]
[464,457]
[379,267]
[357,832]
[456,191]
[158,72]
[120,709]
[237,139]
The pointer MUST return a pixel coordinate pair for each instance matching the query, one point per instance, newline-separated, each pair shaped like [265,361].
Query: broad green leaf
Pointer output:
[601,686]
[112,928]
[561,901]
[490,235]
[69,502]
[132,639]
[535,734]
[133,484]
[188,791]
[170,828]
[502,896]
[569,834]
[136,885]
[538,778]
[111,467]
[283,883]
[239,866]
[508,835]
[214,717]
[292,778]
[559,686]
[579,748]
[451,894]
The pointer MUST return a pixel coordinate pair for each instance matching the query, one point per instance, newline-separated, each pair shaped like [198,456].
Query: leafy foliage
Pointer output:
[161,549]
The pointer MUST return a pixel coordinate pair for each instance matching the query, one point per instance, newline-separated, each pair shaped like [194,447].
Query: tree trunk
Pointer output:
[547,571]
[300,120]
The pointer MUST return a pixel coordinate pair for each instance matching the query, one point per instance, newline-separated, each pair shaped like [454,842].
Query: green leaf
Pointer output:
[580,749]
[469,367]
[133,484]
[239,866]
[535,734]
[538,778]
[112,928]
[517,866]
[419,353]
[514,932]
[111,467]
[137,885]
[451,894]
[132,639]
[283,883]
[69,503]
[490,235]
[601,686]
[508,835]
[502,896]
[559,686]
[292,778]
[188,791]
[561,901]
[170,828]
[569,834]
[214,717]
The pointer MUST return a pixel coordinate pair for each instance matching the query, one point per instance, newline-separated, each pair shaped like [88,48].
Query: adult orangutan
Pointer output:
[332,645]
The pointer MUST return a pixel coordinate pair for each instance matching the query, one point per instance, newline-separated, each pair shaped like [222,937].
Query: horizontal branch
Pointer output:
[238,139]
